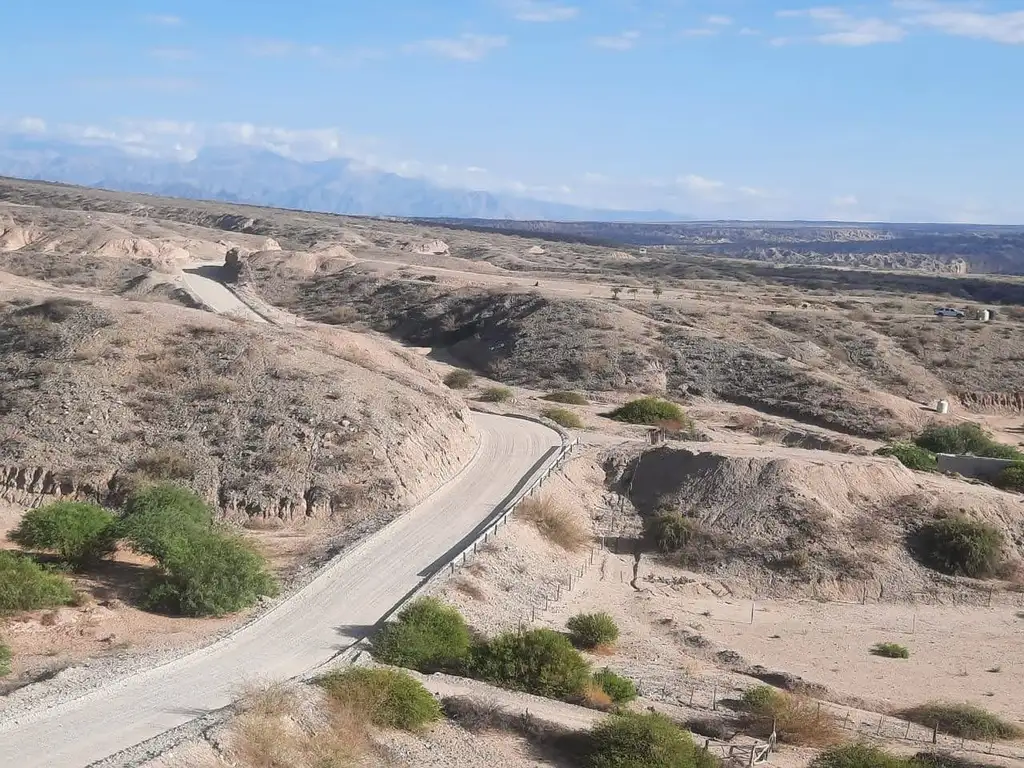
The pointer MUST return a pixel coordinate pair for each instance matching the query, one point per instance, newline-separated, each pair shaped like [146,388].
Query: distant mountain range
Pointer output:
[260,177]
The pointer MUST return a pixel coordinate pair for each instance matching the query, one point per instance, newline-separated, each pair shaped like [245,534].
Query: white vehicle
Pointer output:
[949,312]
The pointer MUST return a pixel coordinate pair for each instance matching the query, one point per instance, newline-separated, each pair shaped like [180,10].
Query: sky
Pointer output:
[881,110]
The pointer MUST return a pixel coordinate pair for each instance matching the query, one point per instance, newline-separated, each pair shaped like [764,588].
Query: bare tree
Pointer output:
[634,292]
[656,290]
[616,290]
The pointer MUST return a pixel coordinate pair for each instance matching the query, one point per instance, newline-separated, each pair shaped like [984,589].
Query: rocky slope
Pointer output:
[98,393]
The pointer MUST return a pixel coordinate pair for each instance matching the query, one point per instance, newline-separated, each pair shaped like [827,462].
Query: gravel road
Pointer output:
[202,279]
[302,633]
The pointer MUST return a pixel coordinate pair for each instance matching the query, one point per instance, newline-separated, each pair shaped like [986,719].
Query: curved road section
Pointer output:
[303,632]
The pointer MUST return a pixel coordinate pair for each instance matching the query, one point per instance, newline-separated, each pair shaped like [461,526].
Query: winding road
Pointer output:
[303,632]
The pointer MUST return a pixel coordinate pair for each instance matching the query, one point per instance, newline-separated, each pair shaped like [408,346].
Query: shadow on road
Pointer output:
[216,272]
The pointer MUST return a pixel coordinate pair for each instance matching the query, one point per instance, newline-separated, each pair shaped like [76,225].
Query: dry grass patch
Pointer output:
[797,720]
[963,720]
[594,696]
[556,523]
[471,590]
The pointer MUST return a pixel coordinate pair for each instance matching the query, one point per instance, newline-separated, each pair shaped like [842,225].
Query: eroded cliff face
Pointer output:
[1009,402]
[265,422]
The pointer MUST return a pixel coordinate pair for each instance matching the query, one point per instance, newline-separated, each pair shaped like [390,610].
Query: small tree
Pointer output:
[159,517]
[634,292]
[80,534]
[428,635]
[590,630]
[616,290]
[656,290]
[539,661]
[210,574]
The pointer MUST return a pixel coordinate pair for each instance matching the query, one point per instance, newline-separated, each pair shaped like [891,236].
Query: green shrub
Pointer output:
[209,574]
[387,697]
[25,585]
[911,456]
[459,379]
[157,518]
[80,534]
[589,630]
[427,636]
[761,699]
[959,546]
[795,719]
[963,720]
[891,651]
[859,756]
[651,411]
[670,531]
[965,439]
[566,398]
[1011,478]
[5,660]
[539,661]
[642,741]
[495,395]
[944,760]
[563,417]
[620,689]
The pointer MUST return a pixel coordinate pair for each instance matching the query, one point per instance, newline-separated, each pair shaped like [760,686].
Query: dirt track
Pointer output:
[300,634]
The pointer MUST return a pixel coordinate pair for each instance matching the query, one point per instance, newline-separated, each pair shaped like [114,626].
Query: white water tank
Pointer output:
[943,406]
[985,315]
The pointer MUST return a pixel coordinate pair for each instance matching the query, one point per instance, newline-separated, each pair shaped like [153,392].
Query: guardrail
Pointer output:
[501,518]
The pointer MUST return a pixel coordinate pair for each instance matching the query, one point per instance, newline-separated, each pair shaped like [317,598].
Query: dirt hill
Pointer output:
[799,520]
[268,422]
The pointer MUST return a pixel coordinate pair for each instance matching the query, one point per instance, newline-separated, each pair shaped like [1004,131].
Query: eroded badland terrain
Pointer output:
[291,369]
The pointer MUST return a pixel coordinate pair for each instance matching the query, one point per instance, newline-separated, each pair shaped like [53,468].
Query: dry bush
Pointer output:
[165,464]
[160,373]
[340,316]
[471,590]
[797,720]
[593,696]
[555,523]
[213,388]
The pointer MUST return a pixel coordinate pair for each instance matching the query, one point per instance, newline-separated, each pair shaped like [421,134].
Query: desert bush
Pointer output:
[651,411]
[959,546]
[459,379]
[5,660]
[911,456]
[563,417]
[859,756]
[389,698]
[495,395]
[538,661]
[427,635]
[797,720]
[25,585]
[554,522]
[342,315]
[163,465]
[670,531]
[209,574]
[944,760]
[891,651]
[155,518]
[965,439]
[620,689]
[963,720]
[80,534]
[566,398]
[593,696]
[1011,478]
[589,630]
[642,741]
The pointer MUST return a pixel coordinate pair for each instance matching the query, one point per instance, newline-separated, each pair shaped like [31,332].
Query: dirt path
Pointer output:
[297,636]
[200,279]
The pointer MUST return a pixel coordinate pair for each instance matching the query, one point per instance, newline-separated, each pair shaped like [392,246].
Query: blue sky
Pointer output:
[905,110]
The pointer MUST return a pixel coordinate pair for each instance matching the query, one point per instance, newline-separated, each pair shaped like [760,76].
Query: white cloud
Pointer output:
[466,47]
[163,19]
[699,32]
[749,31]
[475,169]
[172,54]
[1006,27]
[844,29]
[542,12]
[30,125]
[718,21]
[700,185]
[625,41]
